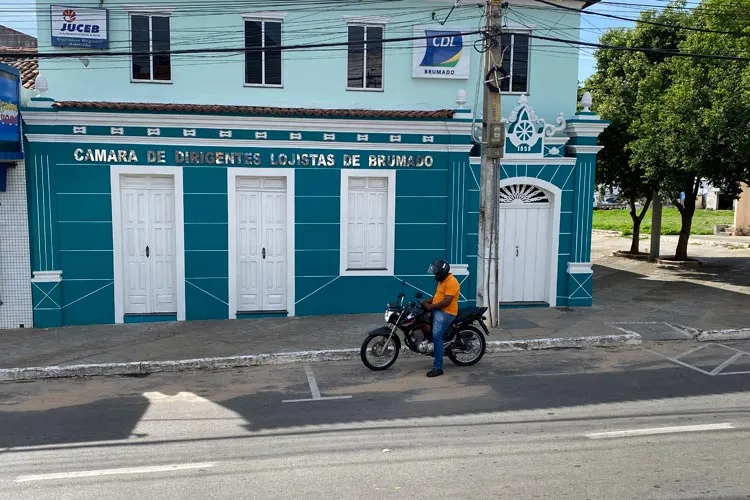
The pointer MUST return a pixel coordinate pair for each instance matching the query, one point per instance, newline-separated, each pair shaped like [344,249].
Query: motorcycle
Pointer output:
[463,343]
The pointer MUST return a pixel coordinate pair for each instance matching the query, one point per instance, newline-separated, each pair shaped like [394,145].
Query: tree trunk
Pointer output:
[637,220]
[635,244]
[686,213]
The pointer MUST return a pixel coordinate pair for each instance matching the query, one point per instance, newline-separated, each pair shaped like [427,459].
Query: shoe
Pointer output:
[434,373]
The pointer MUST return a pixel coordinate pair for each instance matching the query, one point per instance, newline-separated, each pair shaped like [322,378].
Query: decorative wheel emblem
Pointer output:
[525,131]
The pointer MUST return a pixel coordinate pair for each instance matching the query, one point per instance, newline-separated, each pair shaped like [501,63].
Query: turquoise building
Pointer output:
[151,200]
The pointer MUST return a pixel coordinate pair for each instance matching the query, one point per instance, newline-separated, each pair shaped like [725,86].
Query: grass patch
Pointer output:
[703,221]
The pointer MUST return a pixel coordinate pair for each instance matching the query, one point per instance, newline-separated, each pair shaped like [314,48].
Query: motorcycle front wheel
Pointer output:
[378,352]
[468,348]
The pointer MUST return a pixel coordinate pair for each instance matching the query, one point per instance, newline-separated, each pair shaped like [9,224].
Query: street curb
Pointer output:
[147,367]
[718,335]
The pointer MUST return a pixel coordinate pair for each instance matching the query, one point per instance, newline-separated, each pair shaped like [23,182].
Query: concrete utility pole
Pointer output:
[655,228]
[493,137]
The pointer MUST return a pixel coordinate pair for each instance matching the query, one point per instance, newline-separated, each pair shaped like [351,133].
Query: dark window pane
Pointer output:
[356,64]
[506,41]
[254,56]
[520,63]
[139,36]
[374,58]
[160,43]
[273,53]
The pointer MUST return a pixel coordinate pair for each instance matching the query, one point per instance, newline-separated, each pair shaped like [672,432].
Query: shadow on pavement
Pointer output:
[102,420]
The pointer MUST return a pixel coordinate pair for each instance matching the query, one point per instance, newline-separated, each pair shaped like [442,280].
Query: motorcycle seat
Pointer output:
[468,312]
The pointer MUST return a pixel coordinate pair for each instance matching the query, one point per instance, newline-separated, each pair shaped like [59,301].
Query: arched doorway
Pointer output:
[528,242]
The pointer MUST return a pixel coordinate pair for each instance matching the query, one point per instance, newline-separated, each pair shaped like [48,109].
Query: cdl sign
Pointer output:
[79,27]
[440,53]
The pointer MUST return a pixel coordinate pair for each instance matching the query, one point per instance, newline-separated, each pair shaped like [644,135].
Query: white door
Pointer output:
[525,232]
[261,244]
[147,212]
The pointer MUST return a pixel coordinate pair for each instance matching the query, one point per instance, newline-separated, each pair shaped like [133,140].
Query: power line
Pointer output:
[674,53]
[41,55]
[644,21]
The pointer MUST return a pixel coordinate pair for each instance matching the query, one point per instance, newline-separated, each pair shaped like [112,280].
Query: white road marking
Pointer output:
[691,351]
[726,363]
[313,383]
[327,398]
[314,390]
[659,430]
[111,472]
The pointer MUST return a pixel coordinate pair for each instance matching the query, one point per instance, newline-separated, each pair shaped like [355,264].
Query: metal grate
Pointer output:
[15,267]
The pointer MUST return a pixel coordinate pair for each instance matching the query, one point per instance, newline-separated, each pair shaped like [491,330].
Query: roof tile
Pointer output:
[29,67]
[256,110]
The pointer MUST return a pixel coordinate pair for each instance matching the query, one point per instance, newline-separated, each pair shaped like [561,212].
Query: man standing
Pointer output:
[444,307]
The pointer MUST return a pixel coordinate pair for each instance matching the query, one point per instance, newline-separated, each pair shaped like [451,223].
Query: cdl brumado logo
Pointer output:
[444,49]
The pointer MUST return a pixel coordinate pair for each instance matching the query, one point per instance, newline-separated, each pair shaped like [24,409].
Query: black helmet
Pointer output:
[440,269]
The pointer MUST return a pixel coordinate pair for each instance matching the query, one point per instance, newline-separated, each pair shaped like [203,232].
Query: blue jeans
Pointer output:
[441,320]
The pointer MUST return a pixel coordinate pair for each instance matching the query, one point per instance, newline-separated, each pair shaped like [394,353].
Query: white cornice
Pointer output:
[246,123]
[148,9]
[584,148]
[378,20]
[237,143]
[270,15]
[585,129]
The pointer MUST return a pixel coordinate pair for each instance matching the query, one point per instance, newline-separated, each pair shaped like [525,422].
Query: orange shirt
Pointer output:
[449,286]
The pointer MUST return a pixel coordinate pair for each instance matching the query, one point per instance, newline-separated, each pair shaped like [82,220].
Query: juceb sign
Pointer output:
[79,27]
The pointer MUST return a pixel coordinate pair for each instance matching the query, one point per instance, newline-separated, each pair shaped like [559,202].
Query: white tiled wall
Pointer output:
[15,268]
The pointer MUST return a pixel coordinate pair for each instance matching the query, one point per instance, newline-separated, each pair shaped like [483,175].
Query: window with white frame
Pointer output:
[515,63]
[367,222]
[263,57]
[365,57]
[150,43]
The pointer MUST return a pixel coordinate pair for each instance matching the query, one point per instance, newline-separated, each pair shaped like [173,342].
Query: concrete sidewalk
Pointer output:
[652,301]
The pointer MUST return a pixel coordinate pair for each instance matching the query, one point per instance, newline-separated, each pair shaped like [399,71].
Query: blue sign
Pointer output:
[440,53]
[10,114]
[79,27]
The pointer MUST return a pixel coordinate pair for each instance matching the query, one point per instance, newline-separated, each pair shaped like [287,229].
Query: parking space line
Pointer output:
[691,351]
[677,361]
[728,362]
[314,390]
[313,383]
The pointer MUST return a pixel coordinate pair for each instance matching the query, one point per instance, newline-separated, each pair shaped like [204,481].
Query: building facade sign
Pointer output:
[251,159]
[440,53]
[79,27]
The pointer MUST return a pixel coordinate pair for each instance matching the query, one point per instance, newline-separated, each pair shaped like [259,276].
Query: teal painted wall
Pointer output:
[79,241]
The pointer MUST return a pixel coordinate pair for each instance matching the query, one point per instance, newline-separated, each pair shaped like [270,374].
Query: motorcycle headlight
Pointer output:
[387,315]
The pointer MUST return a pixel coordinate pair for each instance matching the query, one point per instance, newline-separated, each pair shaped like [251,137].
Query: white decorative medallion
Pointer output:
[525,132]
[225,134]
[261,135]
[117,131]
[395,138]
[428,138]
[79,130]
[329,137]
[188,132]
[295,136]
[153,131]
[363,137]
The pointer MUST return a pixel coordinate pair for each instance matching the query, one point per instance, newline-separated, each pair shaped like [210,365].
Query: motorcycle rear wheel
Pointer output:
[378,345]
[472,336]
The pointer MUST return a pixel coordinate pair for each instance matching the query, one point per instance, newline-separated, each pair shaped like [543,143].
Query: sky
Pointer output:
[19,15]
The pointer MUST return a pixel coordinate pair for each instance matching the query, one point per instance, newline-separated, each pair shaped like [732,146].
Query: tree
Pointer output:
[623,84]
[697,128]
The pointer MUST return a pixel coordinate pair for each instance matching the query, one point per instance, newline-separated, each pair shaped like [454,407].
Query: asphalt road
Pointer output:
[636,423]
